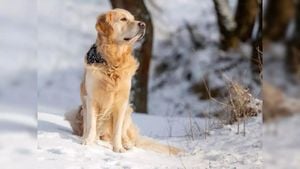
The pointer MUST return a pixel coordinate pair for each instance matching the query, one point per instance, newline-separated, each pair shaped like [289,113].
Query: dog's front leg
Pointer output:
[118,121]
[89,131]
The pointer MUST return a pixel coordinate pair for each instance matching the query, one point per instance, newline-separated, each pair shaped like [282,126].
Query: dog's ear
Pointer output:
[103,24]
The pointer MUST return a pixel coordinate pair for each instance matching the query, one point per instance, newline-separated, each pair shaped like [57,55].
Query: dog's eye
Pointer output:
[123,19]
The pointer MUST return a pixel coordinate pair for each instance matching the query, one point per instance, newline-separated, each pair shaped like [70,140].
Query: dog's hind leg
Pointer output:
[75,119]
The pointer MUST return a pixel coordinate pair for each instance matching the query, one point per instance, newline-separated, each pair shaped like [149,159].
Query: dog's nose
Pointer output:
[142,25]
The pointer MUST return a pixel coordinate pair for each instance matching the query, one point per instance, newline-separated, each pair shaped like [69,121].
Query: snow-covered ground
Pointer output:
[281,144]
[223,148]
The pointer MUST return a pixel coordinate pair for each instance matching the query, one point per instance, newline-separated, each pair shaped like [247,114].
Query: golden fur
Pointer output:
[105,112]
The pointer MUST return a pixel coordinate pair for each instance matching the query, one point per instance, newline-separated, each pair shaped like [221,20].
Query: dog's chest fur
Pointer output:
[108,76]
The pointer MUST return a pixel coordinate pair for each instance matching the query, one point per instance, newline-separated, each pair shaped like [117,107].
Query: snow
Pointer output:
[281,144]
[18,121]
[222,148]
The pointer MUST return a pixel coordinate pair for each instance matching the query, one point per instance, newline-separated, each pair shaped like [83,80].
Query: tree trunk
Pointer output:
[143,53]
[293,47]
[257,49]
[226,24]
[277,18]
[245,17]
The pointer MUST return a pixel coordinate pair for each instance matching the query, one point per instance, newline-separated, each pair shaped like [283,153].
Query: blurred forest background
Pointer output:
[192,55]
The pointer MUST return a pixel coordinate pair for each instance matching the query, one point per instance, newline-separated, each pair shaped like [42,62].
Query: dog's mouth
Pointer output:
[140,35]
[127,39]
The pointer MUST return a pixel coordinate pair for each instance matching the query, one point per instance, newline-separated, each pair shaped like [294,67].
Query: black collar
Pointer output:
[94,57]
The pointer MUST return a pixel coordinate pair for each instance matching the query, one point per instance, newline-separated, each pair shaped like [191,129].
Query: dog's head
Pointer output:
[119,26]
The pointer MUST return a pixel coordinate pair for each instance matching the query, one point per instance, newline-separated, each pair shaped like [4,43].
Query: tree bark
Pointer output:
[245,17]
[277,18]
[257,49]
[143,53]
[226,24]
[293,47]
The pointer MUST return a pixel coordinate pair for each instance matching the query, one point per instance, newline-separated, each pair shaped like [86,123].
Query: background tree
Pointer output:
[245,17]
[226,23]
[240,28]
[276,19]
[257,48]
[293,52]
[278,16]
[143,53]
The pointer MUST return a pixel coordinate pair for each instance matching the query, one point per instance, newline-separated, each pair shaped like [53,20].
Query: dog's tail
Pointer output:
[75,119]
[152,145]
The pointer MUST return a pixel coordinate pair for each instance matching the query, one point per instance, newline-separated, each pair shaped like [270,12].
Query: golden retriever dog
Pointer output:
[105,112]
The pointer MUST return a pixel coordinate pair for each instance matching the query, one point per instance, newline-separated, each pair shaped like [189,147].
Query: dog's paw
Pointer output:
[128,145]
[119,149]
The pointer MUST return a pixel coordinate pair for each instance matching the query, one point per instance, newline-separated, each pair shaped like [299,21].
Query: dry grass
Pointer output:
[241,103]
[238,105]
